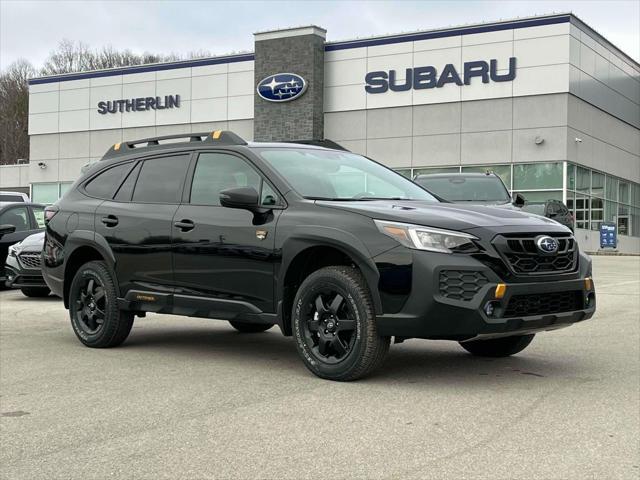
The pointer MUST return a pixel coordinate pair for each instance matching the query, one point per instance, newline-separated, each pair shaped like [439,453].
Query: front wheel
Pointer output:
[93,308]
[334,325]
[35,291]
[498,347]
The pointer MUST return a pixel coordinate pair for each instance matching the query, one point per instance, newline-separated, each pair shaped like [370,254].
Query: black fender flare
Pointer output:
[86,238]
[304,238]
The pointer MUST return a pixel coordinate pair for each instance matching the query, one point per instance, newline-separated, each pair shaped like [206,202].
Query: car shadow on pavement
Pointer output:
[416,361]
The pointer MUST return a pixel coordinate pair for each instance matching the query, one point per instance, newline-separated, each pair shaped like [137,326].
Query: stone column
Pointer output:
[299,51]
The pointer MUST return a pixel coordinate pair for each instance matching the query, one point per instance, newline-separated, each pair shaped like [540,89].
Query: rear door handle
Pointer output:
[110,220]
[185,225]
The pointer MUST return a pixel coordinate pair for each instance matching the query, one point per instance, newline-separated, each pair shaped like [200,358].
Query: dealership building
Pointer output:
[545,102]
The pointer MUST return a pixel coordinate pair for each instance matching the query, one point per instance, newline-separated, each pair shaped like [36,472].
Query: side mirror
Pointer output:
[518,200]
[6,229]
[246,198]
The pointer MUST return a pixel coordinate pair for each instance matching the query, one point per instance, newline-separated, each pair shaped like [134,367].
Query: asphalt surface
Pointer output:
[191,398]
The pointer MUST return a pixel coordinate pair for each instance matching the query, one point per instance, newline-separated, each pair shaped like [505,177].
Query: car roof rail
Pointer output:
[326,143]
[217,137]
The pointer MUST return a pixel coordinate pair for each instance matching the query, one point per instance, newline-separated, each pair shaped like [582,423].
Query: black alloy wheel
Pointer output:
[334,325]
[330,327]
[90,305]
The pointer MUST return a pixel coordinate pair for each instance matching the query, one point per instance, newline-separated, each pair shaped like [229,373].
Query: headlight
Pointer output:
[427,238]
[14,250]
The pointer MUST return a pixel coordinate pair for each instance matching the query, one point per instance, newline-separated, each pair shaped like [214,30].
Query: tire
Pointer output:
[35,291]
[250,327]
[105,325]
[334,302]
[498,347]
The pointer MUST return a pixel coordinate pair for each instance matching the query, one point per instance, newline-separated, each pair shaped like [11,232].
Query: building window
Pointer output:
[537,176]
[48,193]
[503,171]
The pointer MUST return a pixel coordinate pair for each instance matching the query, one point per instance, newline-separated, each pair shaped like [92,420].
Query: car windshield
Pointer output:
[334,175]
[467,189]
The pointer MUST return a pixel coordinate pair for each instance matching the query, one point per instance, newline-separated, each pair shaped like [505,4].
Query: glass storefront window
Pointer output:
[405,172]
[581,211]
[503,171]
[597,213]
[623,219]
[45,192]
[597,184]
[541,197]
[583,180]
[611,190]
[48,193]
[426,171]
[537,176]
[635,196]
[571,176]
[635,222]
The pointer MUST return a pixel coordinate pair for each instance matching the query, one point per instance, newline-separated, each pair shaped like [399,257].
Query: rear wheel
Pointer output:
[93,308]
[498,347]
[35,291]
[334,325]
[250,327]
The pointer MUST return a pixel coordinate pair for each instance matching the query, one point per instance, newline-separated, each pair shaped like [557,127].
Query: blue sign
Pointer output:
[281,87]
[608,235]
[420,78]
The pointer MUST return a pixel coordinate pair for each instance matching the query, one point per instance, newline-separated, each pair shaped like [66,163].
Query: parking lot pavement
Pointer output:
[191,398]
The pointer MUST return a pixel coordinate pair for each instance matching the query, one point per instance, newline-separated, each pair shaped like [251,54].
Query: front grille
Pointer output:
[524,258]
[461,284]
[30,260]
[543,304]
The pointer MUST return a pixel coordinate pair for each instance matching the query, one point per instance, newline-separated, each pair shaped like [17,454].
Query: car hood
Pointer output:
[450,216]
[33,243]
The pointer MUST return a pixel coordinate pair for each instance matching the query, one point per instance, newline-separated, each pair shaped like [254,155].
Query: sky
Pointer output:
[31,29]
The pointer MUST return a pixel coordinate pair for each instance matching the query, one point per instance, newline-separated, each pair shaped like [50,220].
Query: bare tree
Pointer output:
[14,105]
[68,57]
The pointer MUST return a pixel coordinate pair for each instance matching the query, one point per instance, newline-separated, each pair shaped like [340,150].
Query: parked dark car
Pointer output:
[339,251]
[553,209]
[470,188]
[24,266]
[26,219]
[488,189]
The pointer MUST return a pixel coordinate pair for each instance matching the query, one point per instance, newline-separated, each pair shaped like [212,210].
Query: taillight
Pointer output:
[50,212]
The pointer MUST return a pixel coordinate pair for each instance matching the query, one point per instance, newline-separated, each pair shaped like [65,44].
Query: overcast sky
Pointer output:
[30,29]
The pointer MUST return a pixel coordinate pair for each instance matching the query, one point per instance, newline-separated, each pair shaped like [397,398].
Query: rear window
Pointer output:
[105,184]
[11,198]
[161,179]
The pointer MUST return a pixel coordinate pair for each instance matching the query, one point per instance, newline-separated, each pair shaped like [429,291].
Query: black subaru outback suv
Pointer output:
[334,248]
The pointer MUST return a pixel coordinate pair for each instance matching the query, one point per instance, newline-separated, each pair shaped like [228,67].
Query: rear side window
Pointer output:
[18,217]
[38,213]
[125,191]
[105,184]
[11,198]
[161,179]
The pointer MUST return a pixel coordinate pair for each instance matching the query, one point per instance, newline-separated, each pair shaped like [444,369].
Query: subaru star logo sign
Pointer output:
[547,244]
[281,87]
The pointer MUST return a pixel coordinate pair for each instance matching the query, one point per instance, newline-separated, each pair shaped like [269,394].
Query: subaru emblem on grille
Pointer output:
[547,244]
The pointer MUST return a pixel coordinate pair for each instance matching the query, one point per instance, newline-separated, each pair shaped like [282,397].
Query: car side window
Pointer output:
[104,185]
[125,191]
[18,217]
[161,179]
[38,213]
[215,172]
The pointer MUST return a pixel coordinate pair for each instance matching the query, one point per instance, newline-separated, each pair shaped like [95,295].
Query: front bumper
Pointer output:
[429,313]
[16,276]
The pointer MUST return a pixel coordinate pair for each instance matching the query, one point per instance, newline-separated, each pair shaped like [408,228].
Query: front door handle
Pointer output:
[185,225]
[110,220]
